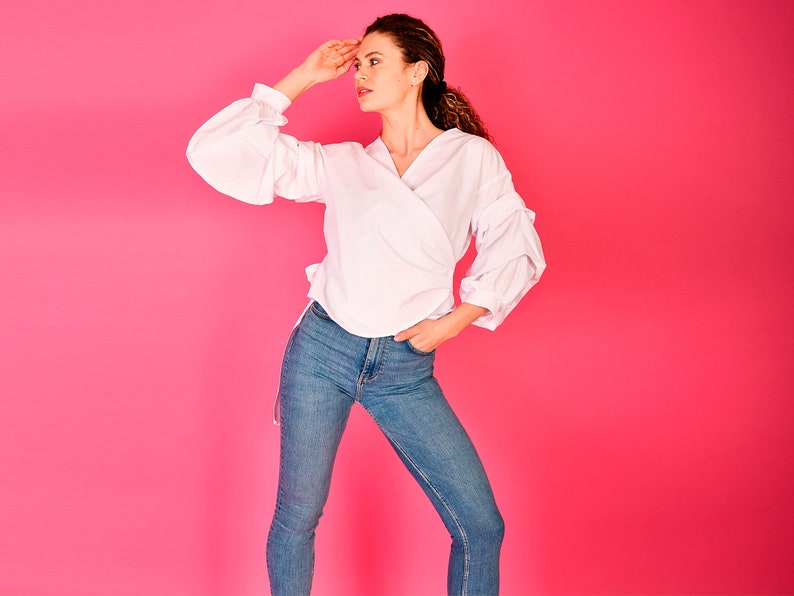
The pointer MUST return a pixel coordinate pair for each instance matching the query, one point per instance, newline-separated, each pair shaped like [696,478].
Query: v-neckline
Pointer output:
[415,159]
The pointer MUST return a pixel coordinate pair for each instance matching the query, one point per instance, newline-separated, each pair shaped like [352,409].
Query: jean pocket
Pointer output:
[318,310]
[417,350]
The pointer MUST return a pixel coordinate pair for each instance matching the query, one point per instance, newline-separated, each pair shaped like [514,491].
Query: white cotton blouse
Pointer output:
[392,241]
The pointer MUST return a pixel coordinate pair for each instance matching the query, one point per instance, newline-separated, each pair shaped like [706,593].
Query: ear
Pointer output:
[420,70]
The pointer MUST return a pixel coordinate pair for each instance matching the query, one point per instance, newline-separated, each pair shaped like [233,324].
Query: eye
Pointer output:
[374,61]
[356,66]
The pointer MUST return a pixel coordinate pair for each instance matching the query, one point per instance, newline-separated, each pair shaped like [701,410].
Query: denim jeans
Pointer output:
[325,370]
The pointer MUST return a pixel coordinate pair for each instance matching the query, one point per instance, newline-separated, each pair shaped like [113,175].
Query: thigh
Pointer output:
[429,438]
[313,411]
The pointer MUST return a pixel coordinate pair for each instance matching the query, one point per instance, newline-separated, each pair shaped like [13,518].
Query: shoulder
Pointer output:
[455,136]
[478,153]
[347,160]
[344,148]
[348,150]
[472,145]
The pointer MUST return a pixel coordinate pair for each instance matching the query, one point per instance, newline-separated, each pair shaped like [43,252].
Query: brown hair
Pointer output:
[446,106]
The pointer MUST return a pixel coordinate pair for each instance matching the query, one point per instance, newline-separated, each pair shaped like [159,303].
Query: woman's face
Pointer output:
[383,79]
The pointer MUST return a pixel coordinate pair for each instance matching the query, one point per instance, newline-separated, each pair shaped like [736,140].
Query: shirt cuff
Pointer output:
[272,97]
[483,298]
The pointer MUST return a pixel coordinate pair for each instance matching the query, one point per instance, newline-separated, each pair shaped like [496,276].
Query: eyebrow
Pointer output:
[370,54]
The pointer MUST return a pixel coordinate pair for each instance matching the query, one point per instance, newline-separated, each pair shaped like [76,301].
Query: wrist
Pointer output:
[305,75]
[463,316]
[296,82]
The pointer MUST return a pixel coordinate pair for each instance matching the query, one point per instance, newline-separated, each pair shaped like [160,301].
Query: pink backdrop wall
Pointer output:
[634,413]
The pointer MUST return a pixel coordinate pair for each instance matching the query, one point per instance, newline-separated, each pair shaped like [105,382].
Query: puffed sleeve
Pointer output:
[241,153]
[509,255]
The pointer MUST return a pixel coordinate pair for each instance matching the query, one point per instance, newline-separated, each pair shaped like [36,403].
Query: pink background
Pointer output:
[634,413]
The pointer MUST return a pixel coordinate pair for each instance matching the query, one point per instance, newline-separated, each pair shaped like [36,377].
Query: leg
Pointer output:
[424,431]
[314,413]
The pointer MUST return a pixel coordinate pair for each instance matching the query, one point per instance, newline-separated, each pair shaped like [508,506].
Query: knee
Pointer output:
[493,530]
[297,517]
[486,531]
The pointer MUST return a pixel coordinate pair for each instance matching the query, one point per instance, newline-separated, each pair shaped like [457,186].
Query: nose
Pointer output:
[360,76]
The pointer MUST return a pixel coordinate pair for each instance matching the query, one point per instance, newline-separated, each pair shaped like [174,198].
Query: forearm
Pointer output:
[295,83]
[463,316]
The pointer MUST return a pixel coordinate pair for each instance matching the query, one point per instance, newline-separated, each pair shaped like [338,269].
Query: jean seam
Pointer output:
[317,312]
[443,501]
[287,348]
[284,365]
[361,378]
[381,360]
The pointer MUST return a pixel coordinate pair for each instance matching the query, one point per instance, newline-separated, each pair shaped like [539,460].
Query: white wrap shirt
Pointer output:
[393,242]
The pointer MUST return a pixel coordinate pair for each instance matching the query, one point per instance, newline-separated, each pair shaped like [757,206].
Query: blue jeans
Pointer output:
[325,370]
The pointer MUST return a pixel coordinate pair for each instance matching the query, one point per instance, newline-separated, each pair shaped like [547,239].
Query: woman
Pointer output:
[399,214]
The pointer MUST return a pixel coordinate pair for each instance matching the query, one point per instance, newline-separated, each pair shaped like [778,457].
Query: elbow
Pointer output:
[193,154]
[540,266]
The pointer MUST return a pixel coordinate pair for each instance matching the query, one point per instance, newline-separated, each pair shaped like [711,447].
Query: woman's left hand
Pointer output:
[427,335]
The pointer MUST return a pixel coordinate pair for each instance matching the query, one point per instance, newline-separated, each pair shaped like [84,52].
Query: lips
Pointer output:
[362,91]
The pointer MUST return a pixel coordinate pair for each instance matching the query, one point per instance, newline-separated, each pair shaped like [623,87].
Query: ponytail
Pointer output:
[448,108]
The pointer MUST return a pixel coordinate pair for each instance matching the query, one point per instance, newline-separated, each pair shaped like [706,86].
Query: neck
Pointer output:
[407,129]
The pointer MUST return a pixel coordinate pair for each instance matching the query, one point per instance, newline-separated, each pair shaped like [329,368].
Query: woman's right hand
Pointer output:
[330,61]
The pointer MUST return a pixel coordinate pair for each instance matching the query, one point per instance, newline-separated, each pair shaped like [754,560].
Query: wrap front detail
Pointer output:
[392,241]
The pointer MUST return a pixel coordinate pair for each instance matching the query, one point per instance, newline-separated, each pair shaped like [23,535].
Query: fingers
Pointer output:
[349,52]
[402,336]
[347,48]
[341,52]
[412,332]
[406,334]
[342,45]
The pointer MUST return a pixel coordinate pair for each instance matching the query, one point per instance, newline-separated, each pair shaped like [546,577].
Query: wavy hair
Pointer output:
[447,107]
